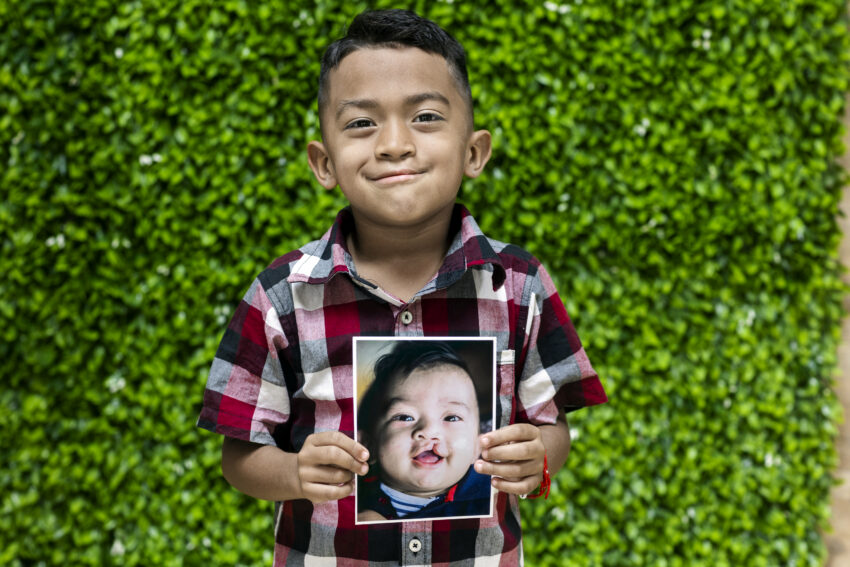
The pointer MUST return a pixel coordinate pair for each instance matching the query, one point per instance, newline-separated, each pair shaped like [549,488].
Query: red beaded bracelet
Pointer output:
[543,489]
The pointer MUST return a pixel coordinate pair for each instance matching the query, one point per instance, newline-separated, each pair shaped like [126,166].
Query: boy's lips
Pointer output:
[396,176]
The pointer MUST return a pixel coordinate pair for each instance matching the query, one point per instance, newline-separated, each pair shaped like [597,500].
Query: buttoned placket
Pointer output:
[408,319]
[415,544]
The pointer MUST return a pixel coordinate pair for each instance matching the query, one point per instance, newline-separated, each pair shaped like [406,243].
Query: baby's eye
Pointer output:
[427,117]
[359,123]
[453,418]
[401,417]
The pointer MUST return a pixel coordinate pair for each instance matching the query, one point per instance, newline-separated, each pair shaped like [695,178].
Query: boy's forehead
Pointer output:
[372,72]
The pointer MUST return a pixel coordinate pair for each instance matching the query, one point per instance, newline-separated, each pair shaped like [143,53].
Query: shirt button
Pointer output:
[407,317]
[415,545]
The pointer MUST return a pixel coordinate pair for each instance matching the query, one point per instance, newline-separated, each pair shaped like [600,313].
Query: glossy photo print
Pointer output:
[421,405]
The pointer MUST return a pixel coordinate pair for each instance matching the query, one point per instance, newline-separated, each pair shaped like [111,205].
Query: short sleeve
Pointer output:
[246,395]
[556,372]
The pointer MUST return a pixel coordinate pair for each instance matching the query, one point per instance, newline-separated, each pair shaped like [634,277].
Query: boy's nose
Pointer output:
[394,141]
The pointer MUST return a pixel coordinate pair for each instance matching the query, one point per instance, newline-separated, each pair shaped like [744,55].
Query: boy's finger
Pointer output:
[320,492]
[334,456]
[510,470]
[521,486]
[513,452]
[510,434]
[326,474]
[341,440]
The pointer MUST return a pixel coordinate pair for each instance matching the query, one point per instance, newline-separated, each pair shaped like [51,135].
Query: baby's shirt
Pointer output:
[283,371]
[405,504]
[470,496]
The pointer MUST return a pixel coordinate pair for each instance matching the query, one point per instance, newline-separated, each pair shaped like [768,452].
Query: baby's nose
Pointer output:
[428,430]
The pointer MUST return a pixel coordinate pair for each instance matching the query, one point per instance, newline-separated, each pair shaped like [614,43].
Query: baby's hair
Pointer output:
[398,364]
[395,29]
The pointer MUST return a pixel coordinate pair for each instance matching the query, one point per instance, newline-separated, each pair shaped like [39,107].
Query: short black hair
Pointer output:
[395,29]
[405,357]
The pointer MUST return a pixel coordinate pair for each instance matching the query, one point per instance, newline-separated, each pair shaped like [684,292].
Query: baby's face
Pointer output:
[428,437]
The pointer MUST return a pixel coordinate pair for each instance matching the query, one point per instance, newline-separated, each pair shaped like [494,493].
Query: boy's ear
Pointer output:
[477,153]
[320,162]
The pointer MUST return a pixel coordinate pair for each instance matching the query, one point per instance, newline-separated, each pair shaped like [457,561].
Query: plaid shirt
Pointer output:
[283,371]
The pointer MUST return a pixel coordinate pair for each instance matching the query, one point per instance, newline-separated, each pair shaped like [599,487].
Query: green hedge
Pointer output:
[672,163]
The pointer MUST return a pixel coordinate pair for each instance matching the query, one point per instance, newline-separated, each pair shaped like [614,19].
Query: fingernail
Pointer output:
[485,440]
[479,465]
[364,456]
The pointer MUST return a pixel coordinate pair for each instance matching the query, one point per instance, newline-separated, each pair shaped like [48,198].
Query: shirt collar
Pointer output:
[469,248]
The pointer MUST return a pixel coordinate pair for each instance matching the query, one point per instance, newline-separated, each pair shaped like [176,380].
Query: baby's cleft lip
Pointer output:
[428,458]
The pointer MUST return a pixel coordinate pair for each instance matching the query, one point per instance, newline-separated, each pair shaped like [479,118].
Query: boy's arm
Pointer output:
[514,454]
[323,470]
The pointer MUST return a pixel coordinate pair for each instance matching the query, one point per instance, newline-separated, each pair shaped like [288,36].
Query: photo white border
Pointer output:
[356,402]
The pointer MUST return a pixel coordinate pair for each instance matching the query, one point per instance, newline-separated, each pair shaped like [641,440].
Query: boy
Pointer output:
[402,260]
[419,420]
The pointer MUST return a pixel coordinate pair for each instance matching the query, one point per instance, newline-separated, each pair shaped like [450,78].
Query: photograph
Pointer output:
[422,404]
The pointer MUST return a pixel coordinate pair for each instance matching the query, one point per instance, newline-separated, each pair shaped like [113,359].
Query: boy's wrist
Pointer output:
[545,484]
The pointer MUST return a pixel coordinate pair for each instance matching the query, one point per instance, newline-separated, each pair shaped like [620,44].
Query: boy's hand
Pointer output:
[327,464]
[513,455]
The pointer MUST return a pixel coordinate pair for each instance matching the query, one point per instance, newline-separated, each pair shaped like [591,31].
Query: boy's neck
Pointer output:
[400,260]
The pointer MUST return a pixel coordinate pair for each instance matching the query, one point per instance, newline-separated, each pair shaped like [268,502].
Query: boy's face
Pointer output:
[397,137]
[428,437]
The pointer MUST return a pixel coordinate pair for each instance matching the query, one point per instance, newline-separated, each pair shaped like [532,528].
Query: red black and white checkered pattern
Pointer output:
[283,371]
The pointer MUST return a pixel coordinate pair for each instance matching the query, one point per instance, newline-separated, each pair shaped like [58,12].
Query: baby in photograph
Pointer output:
[420,421]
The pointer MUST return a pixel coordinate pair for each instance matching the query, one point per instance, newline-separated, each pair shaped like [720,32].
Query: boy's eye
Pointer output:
[359,123]
[453,418]
[401,417]
[427,117]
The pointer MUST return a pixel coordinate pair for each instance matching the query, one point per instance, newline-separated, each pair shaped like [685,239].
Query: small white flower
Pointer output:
[565,9]
[768,460]
[119,53]
[115,243]
[551,6]
[163,270]
[117,548]
[156,158]
[706,34]
[115,383]
[145,159]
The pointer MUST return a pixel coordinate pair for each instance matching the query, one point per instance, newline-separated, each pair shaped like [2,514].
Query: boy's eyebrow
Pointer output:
[371,104]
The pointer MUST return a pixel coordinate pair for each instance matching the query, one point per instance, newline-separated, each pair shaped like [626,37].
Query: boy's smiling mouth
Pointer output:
[396,176]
